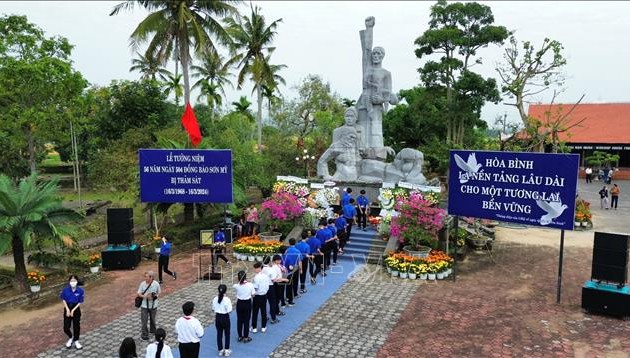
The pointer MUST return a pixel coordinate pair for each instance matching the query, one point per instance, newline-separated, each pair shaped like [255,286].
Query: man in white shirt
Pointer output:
[149,290]
[189,332]
[261,286]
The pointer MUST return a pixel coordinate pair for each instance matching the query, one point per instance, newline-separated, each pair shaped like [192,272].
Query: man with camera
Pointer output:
[148,291]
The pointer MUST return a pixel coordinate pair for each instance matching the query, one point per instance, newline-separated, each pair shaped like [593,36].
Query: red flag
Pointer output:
[189,121]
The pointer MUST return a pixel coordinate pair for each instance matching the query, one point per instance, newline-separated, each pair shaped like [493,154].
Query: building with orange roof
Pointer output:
[592,127]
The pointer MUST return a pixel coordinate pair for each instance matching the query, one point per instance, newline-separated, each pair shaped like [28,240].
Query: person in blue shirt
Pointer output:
[292,262]
[305,251]
[72,298]
[323,234]
[316,256]
[363,206]
[340,225]
[217,252]
[345,199]
[165,253]
[332,245]
[349,212]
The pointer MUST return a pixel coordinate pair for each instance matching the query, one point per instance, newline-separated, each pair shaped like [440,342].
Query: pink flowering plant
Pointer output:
[418,221]
[282,206]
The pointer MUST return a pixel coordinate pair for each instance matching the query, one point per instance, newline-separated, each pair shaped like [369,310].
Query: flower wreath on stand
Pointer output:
[418,221]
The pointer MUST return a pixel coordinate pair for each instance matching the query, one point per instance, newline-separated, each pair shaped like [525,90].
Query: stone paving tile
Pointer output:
[508,309]
[355,321]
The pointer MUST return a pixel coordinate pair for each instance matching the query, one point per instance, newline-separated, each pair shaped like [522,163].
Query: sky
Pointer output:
[322,37]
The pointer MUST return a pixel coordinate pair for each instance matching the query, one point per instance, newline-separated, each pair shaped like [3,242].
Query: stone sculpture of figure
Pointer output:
[407,167]
[345,152]
[350,119]
[376,95]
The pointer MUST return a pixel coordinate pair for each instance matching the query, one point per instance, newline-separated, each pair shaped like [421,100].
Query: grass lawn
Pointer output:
[53,159]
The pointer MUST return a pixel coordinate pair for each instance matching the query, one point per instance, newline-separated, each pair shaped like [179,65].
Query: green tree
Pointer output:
[252,39]
[28,211]
[173,85]
[242,106]
[149,67]
[178,25]
[457,31]
[213,76]
[530,72]
[36,77]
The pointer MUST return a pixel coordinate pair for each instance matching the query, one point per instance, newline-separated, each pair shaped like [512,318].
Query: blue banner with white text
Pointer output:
[185,176]
[526,188]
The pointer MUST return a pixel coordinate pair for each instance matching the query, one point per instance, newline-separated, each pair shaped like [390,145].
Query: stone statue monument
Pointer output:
[376,95]
[357,149]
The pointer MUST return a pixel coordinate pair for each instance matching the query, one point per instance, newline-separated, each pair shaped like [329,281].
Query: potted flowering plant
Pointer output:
[403,269]
[417,224]
[583,213]
[280,207]
[93,262]
[35,280]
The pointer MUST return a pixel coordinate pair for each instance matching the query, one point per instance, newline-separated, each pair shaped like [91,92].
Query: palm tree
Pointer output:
[242,107]
[178,25]
[173,84]
[28,211]
[252,38]
[271,87]
[149,67]
[213,77]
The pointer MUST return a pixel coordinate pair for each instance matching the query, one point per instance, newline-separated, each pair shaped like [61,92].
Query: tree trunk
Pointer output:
[259,99]
[31,150]
[20,265]
[189,213]
[184,59]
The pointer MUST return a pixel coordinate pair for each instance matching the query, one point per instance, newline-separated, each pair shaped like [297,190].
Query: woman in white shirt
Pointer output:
[222,306]
[244,293]
[158,349]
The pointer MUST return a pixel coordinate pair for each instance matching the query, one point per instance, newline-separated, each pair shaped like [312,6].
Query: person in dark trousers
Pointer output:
[219,236]
[72,297]
[275,275]
[165,253]
[291,260]
[349,213]
[345,199]
[244,293]
[222,306]
[614,196]
[323,234]
[332,244]
[305,251]
[603,198]
[149,291]
[316,256]
[363,206]
[340,225]
[189,332]
[261,286]
[278,284]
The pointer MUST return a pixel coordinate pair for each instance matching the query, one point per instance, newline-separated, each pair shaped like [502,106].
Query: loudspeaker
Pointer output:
[117,214]
[121,257]
[120,238]
[606,301]
[610,258]
[119,225]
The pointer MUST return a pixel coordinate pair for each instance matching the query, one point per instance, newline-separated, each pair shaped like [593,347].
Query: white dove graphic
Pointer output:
[469,167]
[553,209]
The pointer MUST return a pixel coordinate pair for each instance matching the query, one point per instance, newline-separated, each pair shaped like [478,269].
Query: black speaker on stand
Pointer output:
[607,292]
[120,226]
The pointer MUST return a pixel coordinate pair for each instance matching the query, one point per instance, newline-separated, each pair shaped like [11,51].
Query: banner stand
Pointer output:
[559,289]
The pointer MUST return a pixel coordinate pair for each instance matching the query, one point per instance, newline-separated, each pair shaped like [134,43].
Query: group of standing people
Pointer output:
[614,192]
[603,174]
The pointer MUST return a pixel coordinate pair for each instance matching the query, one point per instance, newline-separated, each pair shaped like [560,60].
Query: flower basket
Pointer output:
[94,260]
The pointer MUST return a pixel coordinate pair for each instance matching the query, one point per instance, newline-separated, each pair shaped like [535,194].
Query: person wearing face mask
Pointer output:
[72,298]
